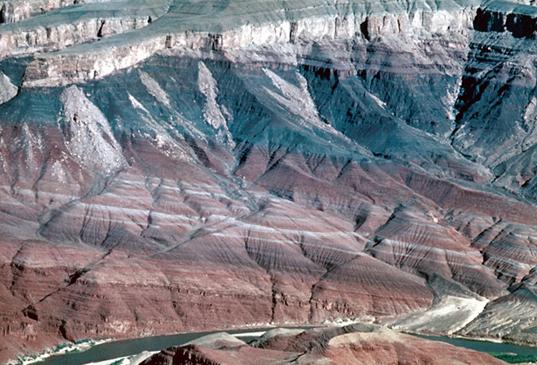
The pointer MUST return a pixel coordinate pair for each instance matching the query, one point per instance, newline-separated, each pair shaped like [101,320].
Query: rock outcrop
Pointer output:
[221,164]
[78,24]
[327,346]
[8,91]
[231,28]
[12,11]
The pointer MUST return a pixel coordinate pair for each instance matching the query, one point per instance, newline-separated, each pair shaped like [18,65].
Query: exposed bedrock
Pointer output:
[347,345]
[409,241]
[495,105]
[8,91]
[511,317]
[231,32]
[12,11]
[233,164]
[202,189]
[500,16]
[77,24]
[65,35]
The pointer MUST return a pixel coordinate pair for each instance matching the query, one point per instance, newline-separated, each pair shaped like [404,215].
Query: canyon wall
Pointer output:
[191,165]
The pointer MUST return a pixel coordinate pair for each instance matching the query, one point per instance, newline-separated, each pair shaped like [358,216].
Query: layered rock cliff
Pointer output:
[171,166]
[232,28]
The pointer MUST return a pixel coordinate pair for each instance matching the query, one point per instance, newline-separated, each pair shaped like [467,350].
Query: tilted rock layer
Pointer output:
[171,166]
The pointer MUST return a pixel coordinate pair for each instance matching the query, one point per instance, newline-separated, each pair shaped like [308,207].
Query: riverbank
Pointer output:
[121,350]
[509,352]
[61,349]
[130,351]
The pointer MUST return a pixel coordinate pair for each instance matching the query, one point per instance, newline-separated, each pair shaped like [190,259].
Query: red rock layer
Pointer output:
[325,346]
[178,245]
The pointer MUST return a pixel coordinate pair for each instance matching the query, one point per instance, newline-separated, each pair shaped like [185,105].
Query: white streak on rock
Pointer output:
[208,87]
[89,138]
[7,90]
[135,103]
[154,89]
[450,315]
[213,113]
[296,99]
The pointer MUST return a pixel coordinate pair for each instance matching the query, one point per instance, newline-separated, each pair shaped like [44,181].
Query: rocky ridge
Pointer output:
[321,346]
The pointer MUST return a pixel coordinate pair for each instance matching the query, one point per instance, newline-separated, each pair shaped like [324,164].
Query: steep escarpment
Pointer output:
[183,166]
[12,11]
[78,24]
[231,28]
[501,16]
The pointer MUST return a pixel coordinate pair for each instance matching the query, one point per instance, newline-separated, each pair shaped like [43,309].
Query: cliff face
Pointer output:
[77,24]
[12,11]
[171,166]
[297,31]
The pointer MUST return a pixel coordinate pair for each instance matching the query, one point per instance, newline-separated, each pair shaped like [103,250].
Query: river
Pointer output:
[115,349]
[519,353]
